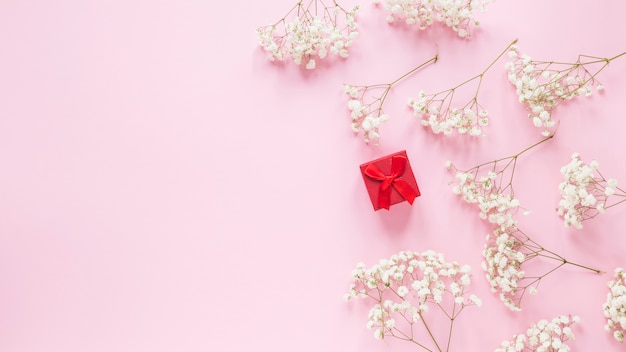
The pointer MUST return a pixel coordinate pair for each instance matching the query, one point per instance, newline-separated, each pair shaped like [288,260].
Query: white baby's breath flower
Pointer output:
[366,109]
[457,15]
[585,193]
[504,257]
[311,64]
[489,186]
[437,115]
[543,336]
[442,114]
[409,285]
[543,85]
[615,306]
[309,31]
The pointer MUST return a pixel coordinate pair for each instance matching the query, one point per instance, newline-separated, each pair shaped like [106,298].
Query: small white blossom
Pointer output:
[486,191]
[363,119]
[615,306]
[457,15]
[352,91]
[407,285]
[543,85]
[366,109]
[489,186]
[504,257]
[305,34]
[437,114]
[311,64]
[442,114]
[584,192]
[546,336]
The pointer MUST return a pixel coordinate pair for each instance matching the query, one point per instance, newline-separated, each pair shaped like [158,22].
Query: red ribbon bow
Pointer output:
[398,164]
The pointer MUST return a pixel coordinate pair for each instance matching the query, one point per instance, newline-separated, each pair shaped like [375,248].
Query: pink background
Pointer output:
[165,188]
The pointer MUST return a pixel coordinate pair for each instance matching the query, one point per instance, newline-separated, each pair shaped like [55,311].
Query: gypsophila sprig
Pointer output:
[440,111]
[457,14]
[542,85]
[585,192]
[366,108]
[408,290]
[505,253]
[309,32]
[543,336]
[490,186]
[615,306]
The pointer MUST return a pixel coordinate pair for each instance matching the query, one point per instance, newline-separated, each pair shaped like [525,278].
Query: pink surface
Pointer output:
[165,188]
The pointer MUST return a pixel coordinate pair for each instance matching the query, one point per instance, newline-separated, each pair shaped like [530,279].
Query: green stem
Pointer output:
[499,56]
[410,339]
[450,328]
[615,57]
[450,334]
[595,61]
[433,60]
[534,145]
[430,332]
[565,261]
[389,85]
[480,75]
[614,204]
[513,157]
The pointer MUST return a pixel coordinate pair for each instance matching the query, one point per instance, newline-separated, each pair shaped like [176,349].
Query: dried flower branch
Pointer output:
[544,336]
[458,15]
[505,252]
[408,289]
[367,110]
[437,112]
[310,31]
[490,186]
[615,306]
[543,85]
[508,248]
[585,192]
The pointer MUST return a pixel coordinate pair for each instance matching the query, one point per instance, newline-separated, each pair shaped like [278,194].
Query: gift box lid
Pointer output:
[390,180]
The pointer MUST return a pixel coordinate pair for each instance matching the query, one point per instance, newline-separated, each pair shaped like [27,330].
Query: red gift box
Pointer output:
[389,180]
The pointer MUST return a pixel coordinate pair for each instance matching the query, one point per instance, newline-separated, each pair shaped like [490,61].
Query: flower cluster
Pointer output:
[543,85]
[615,306]
[310,31]
[437,114]
[456,14]
[543,336]
[406,287]
[496,203]
[366,110]
[504,255]
[490,187]
[365,116]
[585,192]
[437,111]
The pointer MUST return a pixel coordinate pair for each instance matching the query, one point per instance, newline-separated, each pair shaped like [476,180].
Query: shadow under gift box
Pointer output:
[389,180]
